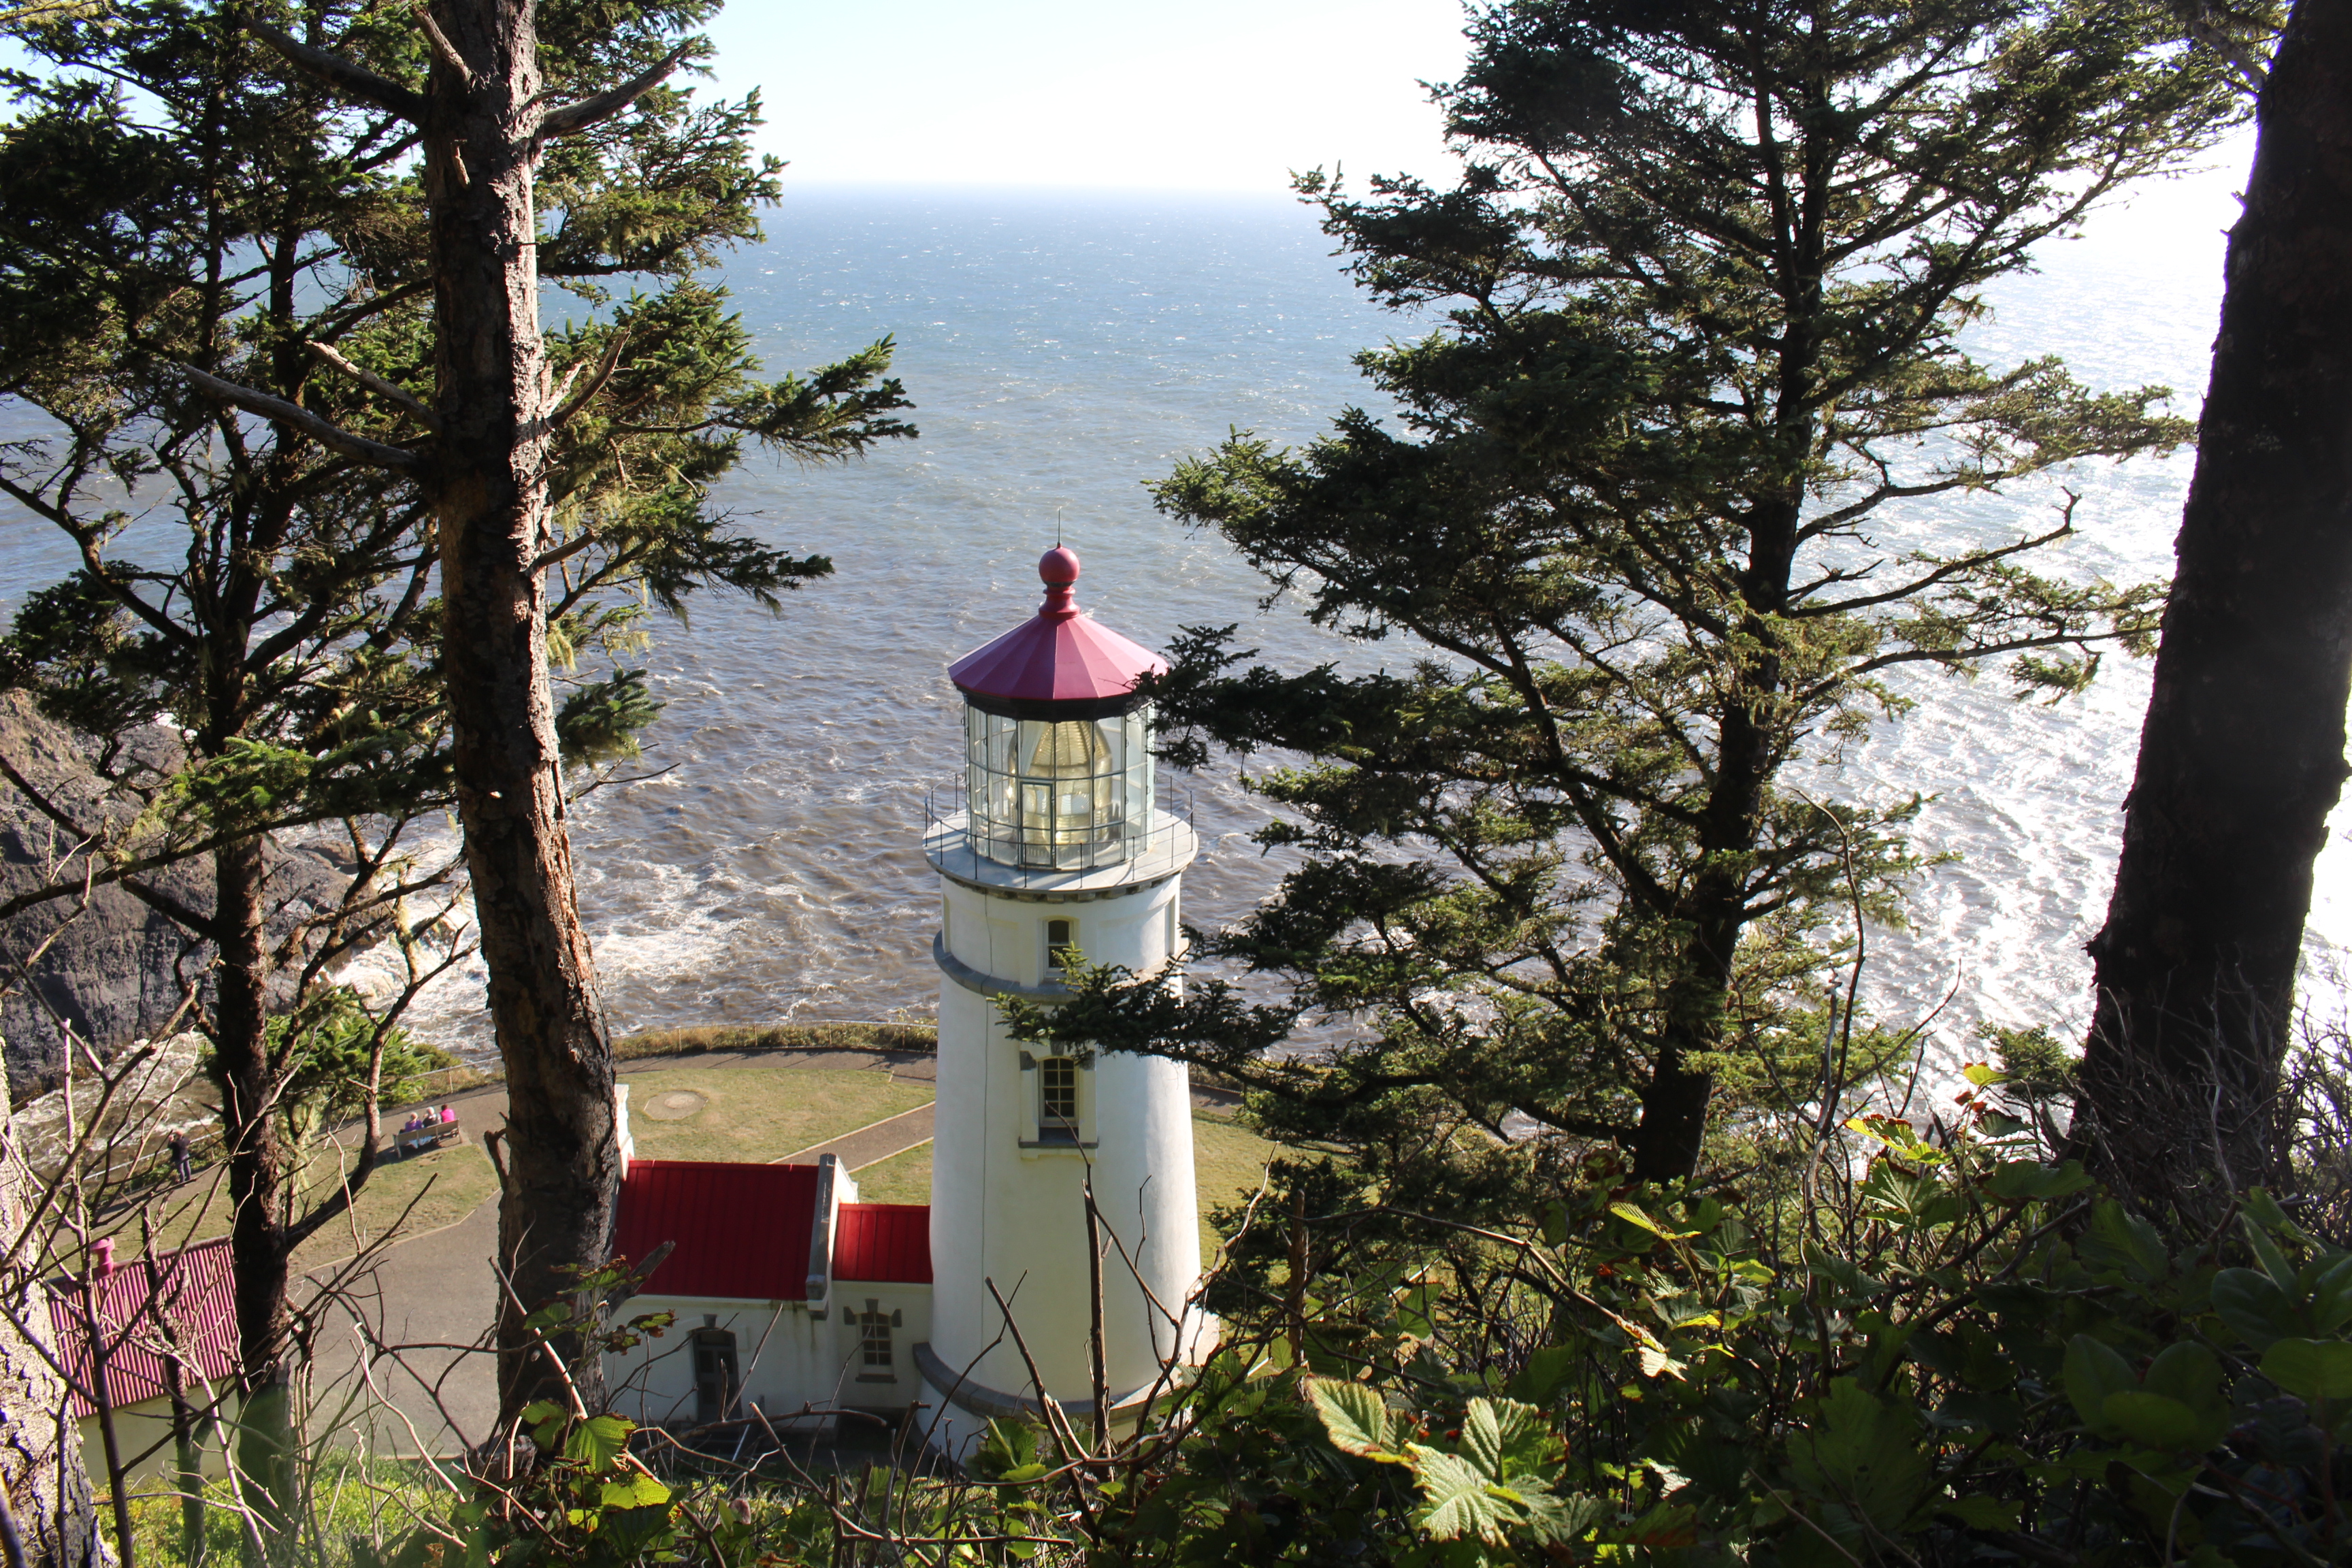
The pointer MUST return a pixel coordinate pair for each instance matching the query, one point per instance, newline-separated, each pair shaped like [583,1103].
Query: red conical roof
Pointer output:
[1061,655]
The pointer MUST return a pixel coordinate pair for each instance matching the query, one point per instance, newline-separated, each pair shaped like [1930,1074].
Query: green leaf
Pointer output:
[598,1441]
[1862,1453]
[2153,1420]
[2122,1239]
[2331,1296]
[2030,1181]
[2311,1369]
[1507,1440]
[1633,1215]
[2274,1262]
[1354,1417]
[1843,1272]
[2253,1305]
[2093,1371]
[1981,1512]
[634,1491]
[2186,1371]
[1545,1370]
[2265,1210]
[1457,1500]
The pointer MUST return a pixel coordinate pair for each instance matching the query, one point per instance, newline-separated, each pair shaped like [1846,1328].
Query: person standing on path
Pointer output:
[184,1166]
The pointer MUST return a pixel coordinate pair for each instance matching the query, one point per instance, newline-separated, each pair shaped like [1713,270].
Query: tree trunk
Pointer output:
[258,1175]
[1712,916]
[489,496]
[47,1489]
[2242,757]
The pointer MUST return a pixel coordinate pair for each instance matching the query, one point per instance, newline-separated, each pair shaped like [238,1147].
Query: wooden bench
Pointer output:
[424,1139]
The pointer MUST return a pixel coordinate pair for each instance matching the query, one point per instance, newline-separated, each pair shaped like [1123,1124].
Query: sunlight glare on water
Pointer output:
[1063,352]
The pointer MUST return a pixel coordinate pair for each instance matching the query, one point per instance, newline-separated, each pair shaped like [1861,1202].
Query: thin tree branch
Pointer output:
[351,81]
[296,417]
[380,387]
[442,49]
[572,119]
[606,364]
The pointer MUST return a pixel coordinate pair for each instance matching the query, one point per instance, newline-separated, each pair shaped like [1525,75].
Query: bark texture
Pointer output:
[259,1168]
[2242,757]
[489,494]
[40,1444]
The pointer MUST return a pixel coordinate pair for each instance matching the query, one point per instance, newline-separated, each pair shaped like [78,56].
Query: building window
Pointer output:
[715,1379]
[873,1334]
[1057,1098]
[1061,945]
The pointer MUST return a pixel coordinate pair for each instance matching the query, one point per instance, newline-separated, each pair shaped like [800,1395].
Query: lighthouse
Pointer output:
[1059,853]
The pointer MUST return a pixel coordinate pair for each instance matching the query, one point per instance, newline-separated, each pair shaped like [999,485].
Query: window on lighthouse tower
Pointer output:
[1061,945]
[1057,1098]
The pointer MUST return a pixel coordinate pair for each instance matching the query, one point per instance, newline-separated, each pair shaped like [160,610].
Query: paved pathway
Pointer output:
[866,1145]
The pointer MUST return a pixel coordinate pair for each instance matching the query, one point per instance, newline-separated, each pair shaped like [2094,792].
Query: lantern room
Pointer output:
[1059,766]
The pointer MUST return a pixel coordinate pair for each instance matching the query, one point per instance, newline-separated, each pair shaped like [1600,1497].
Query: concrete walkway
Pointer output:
[870,1144]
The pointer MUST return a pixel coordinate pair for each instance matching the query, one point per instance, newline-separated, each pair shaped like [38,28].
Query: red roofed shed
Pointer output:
[188,1300]
[883,1243]
[743,1231]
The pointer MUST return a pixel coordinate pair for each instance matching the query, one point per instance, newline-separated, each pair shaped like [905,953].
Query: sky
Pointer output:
[1221,95]
[1212,95]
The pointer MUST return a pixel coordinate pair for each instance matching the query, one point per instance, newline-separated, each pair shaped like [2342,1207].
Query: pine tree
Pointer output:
[1648,523]
[231,299]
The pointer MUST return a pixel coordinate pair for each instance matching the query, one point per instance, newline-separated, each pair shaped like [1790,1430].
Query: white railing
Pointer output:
[948,840]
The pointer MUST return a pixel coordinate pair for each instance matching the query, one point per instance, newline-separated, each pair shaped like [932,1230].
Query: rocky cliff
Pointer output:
[118,970]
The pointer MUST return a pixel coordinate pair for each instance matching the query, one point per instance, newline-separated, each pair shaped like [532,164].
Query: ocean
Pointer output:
[1062,351]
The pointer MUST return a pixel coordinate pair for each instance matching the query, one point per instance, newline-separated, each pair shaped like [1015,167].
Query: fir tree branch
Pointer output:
[574,118]
[296,417]
[1944,572]
[333,70]
[606,364]
[379,385]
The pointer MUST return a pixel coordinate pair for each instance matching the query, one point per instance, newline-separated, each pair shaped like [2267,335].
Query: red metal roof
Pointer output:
[188,1302]
[883,1243]
[1061,655]
[743,1231]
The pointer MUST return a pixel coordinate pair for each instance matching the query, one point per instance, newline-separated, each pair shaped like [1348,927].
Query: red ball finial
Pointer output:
[1059,568]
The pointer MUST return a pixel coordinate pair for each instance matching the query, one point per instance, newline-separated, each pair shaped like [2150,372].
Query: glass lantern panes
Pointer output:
[1064,793]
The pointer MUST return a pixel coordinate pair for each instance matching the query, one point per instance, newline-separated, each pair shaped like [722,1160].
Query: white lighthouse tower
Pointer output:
[1060,854]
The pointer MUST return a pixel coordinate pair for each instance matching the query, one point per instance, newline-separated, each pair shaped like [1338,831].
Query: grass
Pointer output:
[903,1178]
[764,1113]
[1228,1162]
[445,1186]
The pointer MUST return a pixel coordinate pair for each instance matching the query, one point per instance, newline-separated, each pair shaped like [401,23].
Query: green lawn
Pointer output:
[762,1112]
[1228,1161]
[753,1113]
[417,1196]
